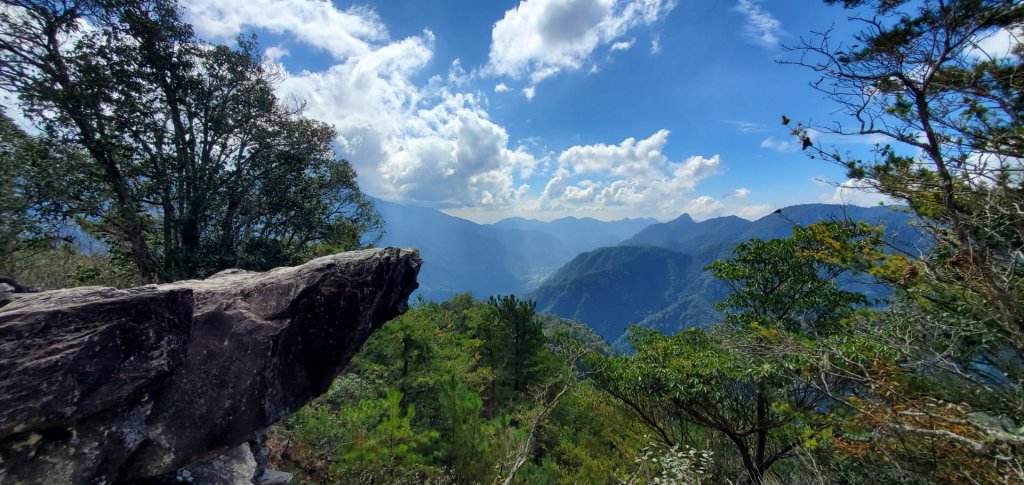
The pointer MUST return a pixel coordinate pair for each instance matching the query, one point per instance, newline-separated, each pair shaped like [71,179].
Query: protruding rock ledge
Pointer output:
[104,385]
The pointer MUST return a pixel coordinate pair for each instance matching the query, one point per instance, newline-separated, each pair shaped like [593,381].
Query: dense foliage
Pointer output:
[466,392]
[950,387]
[202,167]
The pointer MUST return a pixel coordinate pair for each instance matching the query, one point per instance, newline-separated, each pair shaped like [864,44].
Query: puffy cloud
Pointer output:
[275,53]
[462,158]
[739,194]
[779,145]
[752,212]
[706,207]
[761,26]
[998,43]
[632,178]
[369,99]
[855,192]
[416,143]
[703,207]
[629,158]
[435,144]
[624,45]
[318,23]
[540,38]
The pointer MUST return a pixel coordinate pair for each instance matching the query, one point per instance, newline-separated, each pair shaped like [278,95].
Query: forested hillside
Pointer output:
[466,391]
[656,279]
[612,288]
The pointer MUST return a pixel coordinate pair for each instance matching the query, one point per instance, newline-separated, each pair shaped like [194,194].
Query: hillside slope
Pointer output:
[656,279]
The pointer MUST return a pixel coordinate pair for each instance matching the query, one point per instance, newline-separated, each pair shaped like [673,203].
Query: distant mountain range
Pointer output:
[655,278]
[579,235]
[511,256]
[609,275]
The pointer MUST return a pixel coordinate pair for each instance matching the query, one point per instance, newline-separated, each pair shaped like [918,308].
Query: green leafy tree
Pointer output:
[748,383]
[47,190]
[205,167]
[917,75]
[420,350]
[591,438]
[790,283]
[944,402]
[546,395]
[41,190]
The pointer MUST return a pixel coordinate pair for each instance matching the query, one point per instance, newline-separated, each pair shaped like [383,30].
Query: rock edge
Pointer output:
[100,385]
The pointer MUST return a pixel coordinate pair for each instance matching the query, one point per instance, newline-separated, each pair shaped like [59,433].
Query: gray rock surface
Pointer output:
[237,466]
[274,477]
[6,293]
[102,385]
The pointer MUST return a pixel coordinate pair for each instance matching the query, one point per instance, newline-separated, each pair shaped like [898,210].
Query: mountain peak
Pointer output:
[513,220]
[682,219]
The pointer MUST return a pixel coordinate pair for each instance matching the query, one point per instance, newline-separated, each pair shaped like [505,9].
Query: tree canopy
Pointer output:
[942,399]
[204,167]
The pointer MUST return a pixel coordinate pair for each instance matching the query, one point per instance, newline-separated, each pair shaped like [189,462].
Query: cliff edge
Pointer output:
[101,385]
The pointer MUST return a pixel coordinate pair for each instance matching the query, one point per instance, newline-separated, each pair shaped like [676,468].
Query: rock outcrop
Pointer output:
[100,385]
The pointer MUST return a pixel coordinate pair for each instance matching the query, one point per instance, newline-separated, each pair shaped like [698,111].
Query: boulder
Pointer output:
[101,385]
[235,467]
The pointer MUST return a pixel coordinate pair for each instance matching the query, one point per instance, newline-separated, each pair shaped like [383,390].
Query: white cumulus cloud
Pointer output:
[998,43]
[740,193]
[540,38]
[318,23]
[428,144]
[855,192]
[632,177]
[434,143]
[275,53]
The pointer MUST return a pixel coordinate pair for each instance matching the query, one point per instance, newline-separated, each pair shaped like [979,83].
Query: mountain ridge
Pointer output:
[687,298]
[489,259]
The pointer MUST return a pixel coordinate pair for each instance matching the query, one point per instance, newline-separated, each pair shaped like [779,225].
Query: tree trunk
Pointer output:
[91,138]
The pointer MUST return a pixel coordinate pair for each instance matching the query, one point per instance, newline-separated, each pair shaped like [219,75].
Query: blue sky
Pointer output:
[549,108]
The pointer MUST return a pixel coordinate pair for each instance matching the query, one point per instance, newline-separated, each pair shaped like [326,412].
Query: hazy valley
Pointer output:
[609,275]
